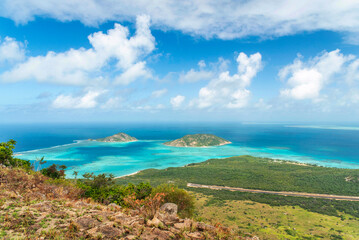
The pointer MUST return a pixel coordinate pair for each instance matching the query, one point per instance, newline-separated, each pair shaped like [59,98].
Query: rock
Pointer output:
[204,227]
[131,237]
[155,222]
[169,208]
[168,214]
[195,235]
[186,224]
[157,234]
[114,206]
[86,222]
[109,231]
[81,204]
[43,206]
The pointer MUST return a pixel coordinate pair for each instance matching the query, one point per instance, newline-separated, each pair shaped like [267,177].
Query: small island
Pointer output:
[119,137]
[198,140]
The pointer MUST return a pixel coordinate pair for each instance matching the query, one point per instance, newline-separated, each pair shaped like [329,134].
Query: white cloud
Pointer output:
[202,64]
[211,18]
[112,103]
[230,91]
[261,104]
[11,50]
[195,76]
[81,66]
[352,75]
[305,80]
[88,100]
[159,93]
[136,71]
[177,101]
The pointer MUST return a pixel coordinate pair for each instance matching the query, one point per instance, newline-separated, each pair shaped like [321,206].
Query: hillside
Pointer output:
[33,206]
[198,140]
[119,137]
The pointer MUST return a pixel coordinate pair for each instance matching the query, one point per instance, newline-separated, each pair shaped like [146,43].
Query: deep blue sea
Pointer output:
[326,145]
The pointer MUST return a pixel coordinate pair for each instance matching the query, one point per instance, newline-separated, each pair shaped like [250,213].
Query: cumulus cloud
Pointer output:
[211,18]
[177,101]
[305,80]
[80,66]
[195,76]
[11,50]
[227,90]
[88,100]
[159,93]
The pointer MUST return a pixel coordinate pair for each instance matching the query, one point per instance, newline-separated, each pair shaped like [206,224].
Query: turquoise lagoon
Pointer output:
[330,147]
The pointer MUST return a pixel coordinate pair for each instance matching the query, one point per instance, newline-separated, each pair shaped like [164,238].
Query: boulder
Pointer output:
[109,231]
[184,225]
[86,222]
[157,234]
[204,227]
[168,214]
[195,235]
[155,222]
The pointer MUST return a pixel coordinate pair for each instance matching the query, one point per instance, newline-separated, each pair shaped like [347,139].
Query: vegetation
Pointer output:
[33,206]
[258,173]
[7,158]
[275,222]
[181,197]
[102,188]
[198,140]
[119,137]
[53,171]
[266,174]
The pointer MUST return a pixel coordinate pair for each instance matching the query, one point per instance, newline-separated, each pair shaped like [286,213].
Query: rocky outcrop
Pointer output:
[58,213]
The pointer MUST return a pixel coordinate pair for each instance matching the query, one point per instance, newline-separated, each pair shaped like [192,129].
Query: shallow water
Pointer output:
[326,147]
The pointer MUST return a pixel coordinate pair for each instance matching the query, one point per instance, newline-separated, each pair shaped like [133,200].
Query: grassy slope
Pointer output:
[268,222]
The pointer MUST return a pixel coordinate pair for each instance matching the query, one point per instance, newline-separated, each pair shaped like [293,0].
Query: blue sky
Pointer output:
[196,61]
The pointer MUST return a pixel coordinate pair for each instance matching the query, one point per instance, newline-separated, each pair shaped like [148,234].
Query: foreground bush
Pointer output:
[142,196]
[181,197]
[102,188]
[53,172]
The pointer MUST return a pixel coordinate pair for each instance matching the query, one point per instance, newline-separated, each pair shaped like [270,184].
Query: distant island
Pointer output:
[198,140]
[119,137]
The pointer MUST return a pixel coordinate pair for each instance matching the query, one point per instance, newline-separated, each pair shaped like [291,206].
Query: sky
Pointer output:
[235,61]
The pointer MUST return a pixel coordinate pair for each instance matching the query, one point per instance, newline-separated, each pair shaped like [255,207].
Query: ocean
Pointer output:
[325,145]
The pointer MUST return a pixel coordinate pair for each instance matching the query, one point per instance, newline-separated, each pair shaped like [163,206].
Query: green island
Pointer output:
[119,137]
[198,140]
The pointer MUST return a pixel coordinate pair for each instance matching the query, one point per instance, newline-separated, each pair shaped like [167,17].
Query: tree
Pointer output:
[53,172]
[7,158]
[39,162]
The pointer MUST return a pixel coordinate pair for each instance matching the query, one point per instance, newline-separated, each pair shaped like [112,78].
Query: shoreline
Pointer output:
[129,174]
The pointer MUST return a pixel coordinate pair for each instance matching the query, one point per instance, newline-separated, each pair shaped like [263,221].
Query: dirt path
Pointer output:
[294,194]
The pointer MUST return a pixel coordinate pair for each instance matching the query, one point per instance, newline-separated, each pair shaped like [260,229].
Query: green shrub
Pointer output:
[6,156]
[53,172]
[101,188]
[181,197]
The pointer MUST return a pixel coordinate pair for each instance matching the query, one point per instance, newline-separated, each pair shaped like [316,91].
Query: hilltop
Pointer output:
[198,140]
[33,206]
[119,137]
